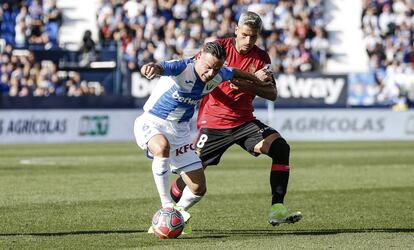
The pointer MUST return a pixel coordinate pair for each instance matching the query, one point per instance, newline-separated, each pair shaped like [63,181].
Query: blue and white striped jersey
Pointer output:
[180,89]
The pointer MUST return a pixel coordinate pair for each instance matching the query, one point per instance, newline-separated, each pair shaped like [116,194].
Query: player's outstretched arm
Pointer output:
[249,82]
[151,70]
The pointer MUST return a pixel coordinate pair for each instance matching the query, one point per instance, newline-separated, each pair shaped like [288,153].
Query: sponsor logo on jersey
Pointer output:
[184,149]
[187,100]
[210,86]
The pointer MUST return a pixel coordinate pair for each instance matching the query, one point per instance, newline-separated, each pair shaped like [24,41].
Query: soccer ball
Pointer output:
[167,223]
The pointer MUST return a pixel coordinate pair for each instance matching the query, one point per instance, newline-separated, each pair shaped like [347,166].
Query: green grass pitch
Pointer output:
[353,195]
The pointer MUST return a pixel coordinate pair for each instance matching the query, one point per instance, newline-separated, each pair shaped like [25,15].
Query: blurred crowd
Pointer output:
[21,75]
[293,31]
[30,23]
[388,27]
[27,25]
[293,34]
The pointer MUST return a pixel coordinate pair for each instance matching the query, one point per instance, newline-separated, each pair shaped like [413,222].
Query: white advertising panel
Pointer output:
[341,124]
[61,126]
[44,126]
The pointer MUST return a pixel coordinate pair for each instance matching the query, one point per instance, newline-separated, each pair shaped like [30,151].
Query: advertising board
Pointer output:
[61,126]
[296,90]
[56,126]
[341,124]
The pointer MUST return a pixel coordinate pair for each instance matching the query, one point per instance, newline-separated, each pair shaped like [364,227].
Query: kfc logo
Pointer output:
[183,149]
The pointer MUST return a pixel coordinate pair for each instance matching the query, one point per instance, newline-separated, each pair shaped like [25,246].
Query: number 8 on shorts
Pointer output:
[202,140]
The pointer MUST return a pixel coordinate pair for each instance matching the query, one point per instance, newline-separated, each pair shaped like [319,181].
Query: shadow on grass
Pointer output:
[213,233]
[86,232]
[269,232]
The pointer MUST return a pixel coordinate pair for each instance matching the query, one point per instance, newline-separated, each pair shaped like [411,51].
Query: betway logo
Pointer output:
[182,99]
[183,149]
[327,88]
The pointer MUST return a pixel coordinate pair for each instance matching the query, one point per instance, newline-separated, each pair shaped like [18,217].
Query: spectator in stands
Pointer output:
[87,50]
[1,17]
[35,10]
[319,46]
[23,22]
[51,13]
[20,34]
[4,84]
[73,84]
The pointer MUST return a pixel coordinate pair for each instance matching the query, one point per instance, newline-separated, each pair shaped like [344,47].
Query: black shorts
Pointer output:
[212,143]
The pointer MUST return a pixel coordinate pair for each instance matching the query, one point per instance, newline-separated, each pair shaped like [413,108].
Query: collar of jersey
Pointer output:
[196,74]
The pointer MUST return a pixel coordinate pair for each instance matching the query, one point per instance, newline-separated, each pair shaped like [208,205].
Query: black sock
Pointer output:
[279,151]
[279,182]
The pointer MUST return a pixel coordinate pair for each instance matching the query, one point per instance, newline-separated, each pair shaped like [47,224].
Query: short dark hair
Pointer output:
[215,49]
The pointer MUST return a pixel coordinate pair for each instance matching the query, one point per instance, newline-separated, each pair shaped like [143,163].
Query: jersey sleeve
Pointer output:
[226,73]
[267,59]
[174,67]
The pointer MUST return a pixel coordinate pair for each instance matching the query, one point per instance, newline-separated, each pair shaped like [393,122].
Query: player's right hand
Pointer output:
[149,70]
[264,74]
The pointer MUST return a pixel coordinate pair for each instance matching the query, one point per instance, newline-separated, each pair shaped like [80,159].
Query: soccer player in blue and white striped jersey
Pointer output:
[163,131]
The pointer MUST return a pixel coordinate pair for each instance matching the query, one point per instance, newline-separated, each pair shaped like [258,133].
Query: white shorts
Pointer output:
[182,151]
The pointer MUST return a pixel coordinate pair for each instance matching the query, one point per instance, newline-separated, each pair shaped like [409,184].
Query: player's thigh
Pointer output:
[211,144]
[256,137]
[144,130]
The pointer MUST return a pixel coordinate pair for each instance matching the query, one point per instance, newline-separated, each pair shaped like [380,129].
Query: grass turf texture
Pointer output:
[354,195]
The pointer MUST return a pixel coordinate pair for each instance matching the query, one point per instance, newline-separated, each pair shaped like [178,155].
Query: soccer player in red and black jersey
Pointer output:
[226,117]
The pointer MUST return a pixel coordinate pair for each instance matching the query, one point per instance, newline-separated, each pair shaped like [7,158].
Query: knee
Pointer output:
[161,148]
[279,151]
[285,147]
[279,146]
[199,189]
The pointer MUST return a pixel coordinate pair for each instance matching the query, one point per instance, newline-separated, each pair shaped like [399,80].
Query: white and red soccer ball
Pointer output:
[167,223]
